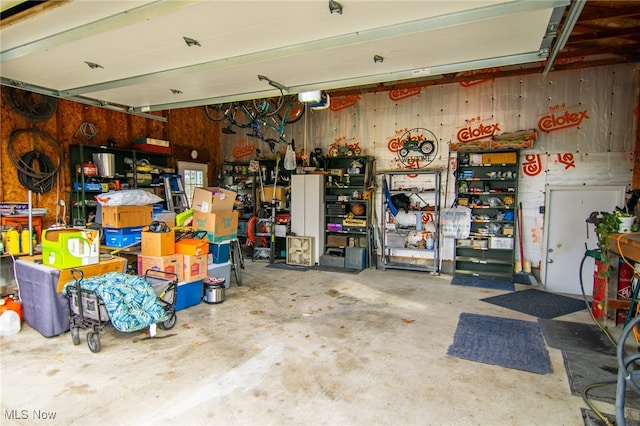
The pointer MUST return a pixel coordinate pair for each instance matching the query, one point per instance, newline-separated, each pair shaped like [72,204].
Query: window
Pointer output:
[194,175]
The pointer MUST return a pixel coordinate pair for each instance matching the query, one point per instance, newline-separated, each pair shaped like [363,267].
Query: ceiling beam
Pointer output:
[431,72]
[80,99]
[601,34]
[119,20]
[599,13]
[565,32]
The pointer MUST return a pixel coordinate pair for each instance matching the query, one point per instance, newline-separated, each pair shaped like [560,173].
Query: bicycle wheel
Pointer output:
[237,261]
[217,112]
[266,107]
[244,115]
[292,110]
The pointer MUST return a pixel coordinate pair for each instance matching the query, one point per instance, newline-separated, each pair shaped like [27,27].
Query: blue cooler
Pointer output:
[220,251]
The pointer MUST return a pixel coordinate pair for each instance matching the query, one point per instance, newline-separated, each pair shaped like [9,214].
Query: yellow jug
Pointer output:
[12,241]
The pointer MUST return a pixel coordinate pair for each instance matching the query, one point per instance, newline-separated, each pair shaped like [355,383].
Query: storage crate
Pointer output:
[337,240]
[188,294]
[122,237]
[334,227]
[337,209]
[332,261]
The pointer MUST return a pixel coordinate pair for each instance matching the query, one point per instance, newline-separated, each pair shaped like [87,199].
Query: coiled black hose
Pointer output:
[41,178]
[41,182]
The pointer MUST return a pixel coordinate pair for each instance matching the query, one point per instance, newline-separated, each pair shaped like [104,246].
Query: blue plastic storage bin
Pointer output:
[188,294]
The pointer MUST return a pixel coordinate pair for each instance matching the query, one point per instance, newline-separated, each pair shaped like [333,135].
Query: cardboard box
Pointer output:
[193,267]
[279,195]
[499,158]
[337,240]
[122,237]
[171,264]
[158,243]
[219,226]
[213,200]
[70,248]
[500,243]
[192,246]
[126,216]
[188,294]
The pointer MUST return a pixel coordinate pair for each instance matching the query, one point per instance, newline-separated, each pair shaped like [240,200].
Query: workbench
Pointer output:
[620,245]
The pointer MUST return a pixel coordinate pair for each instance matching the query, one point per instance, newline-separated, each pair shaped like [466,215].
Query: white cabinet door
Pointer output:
[566,234]
[307,210]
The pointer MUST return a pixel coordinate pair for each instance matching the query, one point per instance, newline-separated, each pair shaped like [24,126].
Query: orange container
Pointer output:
[8,304]
[192,246]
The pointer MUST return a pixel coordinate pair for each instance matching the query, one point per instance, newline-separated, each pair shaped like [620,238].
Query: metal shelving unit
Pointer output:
[487,183]
[412,244]
[348,209]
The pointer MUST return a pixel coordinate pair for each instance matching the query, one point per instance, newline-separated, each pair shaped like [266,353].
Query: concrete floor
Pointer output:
[290,347]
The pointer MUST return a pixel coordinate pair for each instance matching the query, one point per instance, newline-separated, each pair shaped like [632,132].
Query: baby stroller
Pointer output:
[92,300]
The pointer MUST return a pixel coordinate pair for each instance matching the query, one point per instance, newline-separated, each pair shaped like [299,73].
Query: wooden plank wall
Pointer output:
[187,129]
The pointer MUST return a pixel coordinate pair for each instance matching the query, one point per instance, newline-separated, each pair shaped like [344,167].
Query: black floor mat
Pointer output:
[573,336]
[491,283]
[505,342]
[538,303]
[283,265]
[586,369]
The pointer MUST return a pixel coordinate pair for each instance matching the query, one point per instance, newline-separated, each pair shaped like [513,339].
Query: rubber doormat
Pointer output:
[573,336]
[586,369]
[505,342]
[286,266]
[339,270]
[590,418]
[538,303]
[481,282]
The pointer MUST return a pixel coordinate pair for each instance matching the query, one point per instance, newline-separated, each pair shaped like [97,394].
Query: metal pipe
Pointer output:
[572,17]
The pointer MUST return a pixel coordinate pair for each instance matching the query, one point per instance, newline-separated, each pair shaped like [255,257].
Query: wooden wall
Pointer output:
[187,129]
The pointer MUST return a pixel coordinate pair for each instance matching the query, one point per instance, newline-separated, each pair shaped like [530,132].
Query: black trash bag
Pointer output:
[401,201]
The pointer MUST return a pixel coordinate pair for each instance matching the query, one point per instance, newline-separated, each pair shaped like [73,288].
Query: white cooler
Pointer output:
[220,270]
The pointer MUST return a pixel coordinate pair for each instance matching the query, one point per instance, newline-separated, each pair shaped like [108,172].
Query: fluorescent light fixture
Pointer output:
[312,97]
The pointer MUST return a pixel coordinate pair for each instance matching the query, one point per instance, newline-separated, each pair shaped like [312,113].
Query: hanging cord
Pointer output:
[87,129]
[41,178]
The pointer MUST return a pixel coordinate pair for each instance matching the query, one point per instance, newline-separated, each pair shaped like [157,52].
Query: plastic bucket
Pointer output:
[9,323]
[106,163]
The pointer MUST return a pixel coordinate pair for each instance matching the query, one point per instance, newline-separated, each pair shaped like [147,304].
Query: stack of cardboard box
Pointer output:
[188,258]
[213,212]
[122,225]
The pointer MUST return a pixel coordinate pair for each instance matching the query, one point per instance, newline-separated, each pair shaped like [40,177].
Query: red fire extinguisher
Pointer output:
[625,275]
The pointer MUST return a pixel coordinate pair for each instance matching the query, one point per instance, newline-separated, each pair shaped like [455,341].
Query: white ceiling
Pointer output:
[143,59]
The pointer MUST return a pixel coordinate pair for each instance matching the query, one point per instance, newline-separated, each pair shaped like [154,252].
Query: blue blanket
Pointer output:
[130,300]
